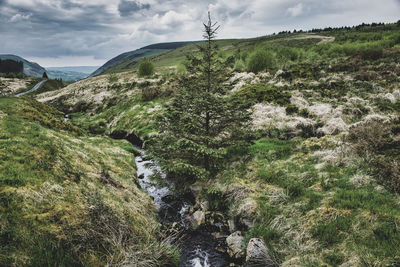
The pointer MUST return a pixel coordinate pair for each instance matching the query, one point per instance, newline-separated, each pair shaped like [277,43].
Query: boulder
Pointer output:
[234,242]
[197,219]
[231,225]
[169,198]
[257,254]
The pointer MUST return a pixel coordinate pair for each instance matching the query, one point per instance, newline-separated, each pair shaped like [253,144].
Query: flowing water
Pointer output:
[198,248]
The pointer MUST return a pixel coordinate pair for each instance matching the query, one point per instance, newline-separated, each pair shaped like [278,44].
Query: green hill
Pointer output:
[129,59]
[318,183]
[68,198]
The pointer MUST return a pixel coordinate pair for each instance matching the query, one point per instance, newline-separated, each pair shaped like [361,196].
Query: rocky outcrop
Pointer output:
[234,242]
[257,254]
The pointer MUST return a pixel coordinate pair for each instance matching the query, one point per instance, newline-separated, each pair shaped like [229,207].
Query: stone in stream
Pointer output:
[197,219]
[231,225]
[169,199]
[141,176]
[257,254]
[234,242]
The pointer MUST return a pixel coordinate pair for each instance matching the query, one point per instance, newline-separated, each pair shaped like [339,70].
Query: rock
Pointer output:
[141,176]
[248,223]
[217,235]
[234,242]
[257,254]
[168,198]
[396,94]
[231,225]
[204,205]
[197,219]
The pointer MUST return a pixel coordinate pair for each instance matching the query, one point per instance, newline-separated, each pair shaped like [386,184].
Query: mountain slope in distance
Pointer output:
[130,57]
[30,68]
[74,74]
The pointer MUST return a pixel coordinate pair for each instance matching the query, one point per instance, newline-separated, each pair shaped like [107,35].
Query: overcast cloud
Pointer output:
[88,32]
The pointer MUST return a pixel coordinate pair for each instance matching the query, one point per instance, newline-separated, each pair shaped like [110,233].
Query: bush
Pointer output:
[258,93]
[288,53]
[112,78]
[378,144]
[146,68]
[239,65]
[291,109]
[181,69]
[260,60]
[371,54]
[150,93]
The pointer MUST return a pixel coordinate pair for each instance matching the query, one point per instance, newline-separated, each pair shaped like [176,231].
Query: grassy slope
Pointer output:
[12,86]
[69,199]
[311,199]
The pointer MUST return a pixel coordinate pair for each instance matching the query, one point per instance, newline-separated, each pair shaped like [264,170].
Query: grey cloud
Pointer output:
[127,8]
[39,28]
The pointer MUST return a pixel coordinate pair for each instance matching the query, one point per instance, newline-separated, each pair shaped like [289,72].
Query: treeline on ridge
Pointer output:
[11,66]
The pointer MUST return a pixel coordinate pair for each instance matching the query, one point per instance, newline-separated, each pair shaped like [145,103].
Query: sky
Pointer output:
[88,32]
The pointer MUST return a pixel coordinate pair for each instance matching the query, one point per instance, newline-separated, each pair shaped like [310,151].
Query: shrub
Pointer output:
[146,68]
[291,109]
[216,198]
[378,144]
[260,60]
[239,65]
[288,53]
[258,93]
[181,69]
[150,93]
[371,54]
[112,78]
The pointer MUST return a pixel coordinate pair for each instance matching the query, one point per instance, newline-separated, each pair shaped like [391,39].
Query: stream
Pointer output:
[198,247]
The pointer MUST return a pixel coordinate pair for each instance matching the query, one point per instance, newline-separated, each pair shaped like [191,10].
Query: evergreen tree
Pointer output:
[200,123]
[45,75]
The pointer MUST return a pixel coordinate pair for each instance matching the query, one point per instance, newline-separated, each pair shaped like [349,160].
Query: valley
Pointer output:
[316,184]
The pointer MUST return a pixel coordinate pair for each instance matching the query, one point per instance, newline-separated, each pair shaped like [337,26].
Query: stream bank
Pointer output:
[206,238]
[199,247]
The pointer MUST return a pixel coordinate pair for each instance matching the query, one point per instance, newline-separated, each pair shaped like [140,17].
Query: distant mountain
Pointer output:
[30,68]
[130,57]
[70,73]
[82,69]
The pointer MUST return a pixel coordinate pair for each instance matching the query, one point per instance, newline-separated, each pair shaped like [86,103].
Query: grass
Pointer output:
[307,213]
[68,199]
[311,199]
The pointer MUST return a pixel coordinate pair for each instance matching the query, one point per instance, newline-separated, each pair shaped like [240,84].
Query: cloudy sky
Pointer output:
[89,32]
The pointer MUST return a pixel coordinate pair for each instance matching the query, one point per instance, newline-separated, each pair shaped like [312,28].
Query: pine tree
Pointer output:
[200,123]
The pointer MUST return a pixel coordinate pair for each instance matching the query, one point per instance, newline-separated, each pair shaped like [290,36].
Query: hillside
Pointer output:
[319,184]
[72,74]
[129,59]
[69,198]
[30,68]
